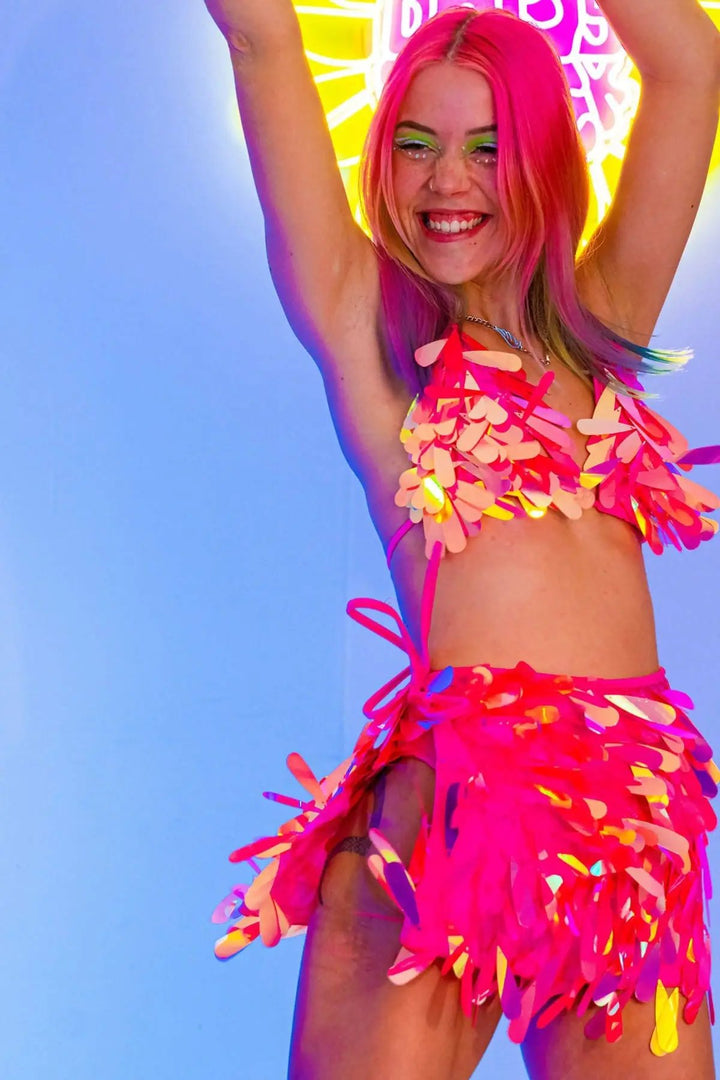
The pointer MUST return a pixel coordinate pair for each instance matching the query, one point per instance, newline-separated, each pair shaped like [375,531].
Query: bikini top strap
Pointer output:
[428,599]
[397,536]
[429,585]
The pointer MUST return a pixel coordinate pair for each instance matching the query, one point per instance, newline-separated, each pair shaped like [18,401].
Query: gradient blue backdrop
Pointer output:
[178,538]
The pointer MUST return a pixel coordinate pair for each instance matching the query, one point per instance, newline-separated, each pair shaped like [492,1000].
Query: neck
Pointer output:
[498,302]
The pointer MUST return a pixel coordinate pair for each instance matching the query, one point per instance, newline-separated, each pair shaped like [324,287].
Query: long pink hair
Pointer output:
[543,191]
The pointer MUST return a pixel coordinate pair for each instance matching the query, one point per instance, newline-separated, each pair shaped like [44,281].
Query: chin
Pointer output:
[449,275]
[447,269]
[445,266]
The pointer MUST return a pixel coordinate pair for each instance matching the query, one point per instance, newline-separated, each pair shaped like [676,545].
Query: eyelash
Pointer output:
[489,149]
[417,150]
[412,148]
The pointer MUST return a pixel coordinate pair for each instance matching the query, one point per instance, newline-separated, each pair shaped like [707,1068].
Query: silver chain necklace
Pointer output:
[509,339]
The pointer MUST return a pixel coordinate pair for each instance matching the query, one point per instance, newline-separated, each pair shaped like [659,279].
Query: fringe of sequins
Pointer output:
[483,443]
[565,863]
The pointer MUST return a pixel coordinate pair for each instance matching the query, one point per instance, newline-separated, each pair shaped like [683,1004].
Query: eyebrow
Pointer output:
[430,131]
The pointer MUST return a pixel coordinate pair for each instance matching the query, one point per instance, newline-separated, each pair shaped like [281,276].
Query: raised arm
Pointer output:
[631,261]
[323,265]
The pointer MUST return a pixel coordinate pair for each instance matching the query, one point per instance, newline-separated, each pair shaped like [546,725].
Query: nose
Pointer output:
[451,174]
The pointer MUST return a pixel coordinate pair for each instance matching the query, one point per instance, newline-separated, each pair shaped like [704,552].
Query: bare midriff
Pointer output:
[565,596]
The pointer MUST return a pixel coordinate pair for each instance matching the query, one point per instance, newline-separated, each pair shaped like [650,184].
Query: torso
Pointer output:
[566,596]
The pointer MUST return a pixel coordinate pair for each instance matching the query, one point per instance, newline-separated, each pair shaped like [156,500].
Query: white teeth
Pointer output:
[453,226]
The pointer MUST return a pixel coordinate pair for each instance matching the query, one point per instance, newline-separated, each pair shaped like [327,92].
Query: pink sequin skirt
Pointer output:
[564,864]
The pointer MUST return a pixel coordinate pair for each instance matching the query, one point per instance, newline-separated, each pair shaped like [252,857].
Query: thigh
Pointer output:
[350,1020]
[561,1051]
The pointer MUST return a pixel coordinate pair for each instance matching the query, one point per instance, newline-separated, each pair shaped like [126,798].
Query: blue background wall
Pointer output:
[178,538]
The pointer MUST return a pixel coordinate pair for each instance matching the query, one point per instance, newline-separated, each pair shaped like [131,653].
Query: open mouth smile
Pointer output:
[450,226]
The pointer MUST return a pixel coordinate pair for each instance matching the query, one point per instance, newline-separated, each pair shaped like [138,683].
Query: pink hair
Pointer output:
[543,189]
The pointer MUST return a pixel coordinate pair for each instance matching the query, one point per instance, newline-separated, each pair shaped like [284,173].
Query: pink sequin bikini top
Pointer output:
[483,443]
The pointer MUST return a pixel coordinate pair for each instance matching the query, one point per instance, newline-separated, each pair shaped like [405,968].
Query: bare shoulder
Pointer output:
[597,294]
[368,401]
[605,298]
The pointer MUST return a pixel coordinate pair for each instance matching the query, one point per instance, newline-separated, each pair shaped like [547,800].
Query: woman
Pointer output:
[503,839]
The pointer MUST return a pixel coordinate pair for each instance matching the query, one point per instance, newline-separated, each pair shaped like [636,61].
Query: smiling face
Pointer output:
[445,173]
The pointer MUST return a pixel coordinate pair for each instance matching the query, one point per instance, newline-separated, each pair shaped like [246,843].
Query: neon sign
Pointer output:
[351,45]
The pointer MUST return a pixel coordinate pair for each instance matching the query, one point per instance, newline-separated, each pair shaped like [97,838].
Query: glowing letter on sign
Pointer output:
[410,18]
[413,14]
[535,11]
